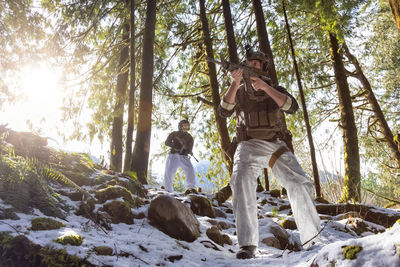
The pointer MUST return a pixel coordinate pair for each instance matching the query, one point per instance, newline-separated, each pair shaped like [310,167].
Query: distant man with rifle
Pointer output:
[260,136]
[181,144]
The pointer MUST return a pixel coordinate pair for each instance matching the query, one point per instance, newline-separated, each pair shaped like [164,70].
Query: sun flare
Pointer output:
[40,101]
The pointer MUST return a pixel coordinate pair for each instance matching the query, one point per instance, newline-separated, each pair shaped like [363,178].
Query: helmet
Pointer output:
[180,124]
[256,55]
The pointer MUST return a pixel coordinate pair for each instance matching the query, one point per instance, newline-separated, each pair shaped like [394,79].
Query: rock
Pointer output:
[45,224]
[272,241]
[219,213]
[119,211]
[114,192]
[201,206]
[222,195]
[103,250]
[275,193]
[284,238]
[173,218]
[289,224]
[215,235]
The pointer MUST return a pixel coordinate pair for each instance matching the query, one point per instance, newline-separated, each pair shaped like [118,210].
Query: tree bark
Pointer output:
[140,157]
[395,7]
[212,76]
[131,105]
[352,176]
[303,104]
[359,74]
[118,114]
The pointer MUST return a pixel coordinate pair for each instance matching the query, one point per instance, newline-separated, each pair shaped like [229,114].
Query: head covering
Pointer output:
[180,124]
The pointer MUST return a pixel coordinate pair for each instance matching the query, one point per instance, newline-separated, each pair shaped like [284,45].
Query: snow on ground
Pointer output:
[144,245]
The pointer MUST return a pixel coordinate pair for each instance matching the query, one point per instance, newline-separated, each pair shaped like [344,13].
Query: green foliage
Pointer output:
[24,187]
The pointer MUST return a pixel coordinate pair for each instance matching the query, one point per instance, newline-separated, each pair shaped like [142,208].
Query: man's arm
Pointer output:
[172,142]
[225,109]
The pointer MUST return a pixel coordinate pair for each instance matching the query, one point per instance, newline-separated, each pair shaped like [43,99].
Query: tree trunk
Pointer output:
[212,75]
[395,7]
[131,106]
[230,34]
[352,177]
[263,40]
[359,74]
[118,114]
[140,157]
[303,104]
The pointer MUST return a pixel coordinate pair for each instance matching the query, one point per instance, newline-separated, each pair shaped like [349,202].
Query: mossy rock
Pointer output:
[120,212]
[275,193]
[20,251]
[73,240]
[45,224]
[224,194]
[131,184]
[86,207]
[350,252]
[103,250]
[289,224]
[114,192]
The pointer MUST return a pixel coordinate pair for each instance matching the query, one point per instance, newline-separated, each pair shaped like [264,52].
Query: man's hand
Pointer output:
[259,84]
[236,76]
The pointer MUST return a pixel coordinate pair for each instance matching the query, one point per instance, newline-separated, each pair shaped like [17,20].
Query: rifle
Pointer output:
[184,147]
[248,72]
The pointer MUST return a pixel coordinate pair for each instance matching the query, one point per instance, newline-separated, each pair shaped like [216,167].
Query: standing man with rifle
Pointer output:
[260,138]
[181,143]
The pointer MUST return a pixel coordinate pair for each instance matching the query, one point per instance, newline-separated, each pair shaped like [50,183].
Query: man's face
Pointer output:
[185,127]
[255,63]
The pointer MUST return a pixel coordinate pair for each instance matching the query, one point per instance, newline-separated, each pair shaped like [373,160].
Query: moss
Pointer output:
[73,240]
[350,252]
[45,224]
[288,224]
[103,250]
[120,211]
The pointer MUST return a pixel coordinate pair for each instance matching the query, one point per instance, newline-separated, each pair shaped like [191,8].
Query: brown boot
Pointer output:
[246,252]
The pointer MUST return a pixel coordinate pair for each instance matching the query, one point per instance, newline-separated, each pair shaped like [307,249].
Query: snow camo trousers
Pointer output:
[250,157]
[175,161]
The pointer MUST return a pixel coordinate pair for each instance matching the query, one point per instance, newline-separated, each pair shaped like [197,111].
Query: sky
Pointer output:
[381,250]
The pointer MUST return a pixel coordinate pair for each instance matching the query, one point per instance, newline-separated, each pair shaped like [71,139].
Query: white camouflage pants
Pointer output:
[250,157]
[175,161]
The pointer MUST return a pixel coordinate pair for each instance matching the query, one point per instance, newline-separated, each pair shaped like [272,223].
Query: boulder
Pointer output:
[173,218]
[119,211]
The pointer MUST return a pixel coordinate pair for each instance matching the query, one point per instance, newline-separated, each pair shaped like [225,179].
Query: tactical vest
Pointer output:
[257,117]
